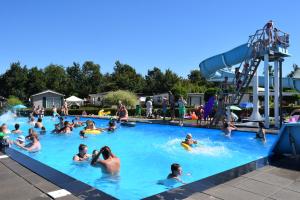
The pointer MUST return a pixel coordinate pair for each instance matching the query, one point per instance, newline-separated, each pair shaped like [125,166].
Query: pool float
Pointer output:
[129,124]
[194,116]
[102,113]
[186,146]
[92,131]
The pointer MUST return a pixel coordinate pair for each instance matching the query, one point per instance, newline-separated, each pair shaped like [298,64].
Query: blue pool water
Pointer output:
[146,153]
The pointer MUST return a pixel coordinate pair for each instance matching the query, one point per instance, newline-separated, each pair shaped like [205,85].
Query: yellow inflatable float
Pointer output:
[186,146]
[102,113]
[92,131]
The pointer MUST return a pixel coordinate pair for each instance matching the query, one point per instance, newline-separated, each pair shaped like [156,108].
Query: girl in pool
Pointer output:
[261,134]
[189,140]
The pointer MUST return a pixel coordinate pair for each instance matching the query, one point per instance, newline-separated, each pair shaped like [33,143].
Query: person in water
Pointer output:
[82,154]
[109,164]
[227,128]
[261,134]
[123,114]
[39,123]
[176,172]
[5,129]
[112,125]
[189,140]
[43,131]
[17,129]
[20,141]
[34,144]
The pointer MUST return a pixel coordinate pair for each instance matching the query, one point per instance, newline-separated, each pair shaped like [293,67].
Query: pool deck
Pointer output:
[19,183]
[278,181]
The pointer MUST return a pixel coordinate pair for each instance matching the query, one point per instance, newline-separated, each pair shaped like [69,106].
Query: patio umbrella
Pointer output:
[234,108]
[246,105]
[19,106]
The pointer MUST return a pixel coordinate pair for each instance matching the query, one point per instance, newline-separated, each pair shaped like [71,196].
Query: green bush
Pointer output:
[12,101]
[128,98]
[209,93]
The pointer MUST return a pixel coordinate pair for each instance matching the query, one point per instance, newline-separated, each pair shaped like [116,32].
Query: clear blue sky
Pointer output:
[173,34]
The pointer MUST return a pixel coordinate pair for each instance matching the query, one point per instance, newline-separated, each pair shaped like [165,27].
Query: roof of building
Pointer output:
[48,91]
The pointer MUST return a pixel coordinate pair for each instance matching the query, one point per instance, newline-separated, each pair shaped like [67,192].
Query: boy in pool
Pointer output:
[189,140]
[176,172]
[17,129]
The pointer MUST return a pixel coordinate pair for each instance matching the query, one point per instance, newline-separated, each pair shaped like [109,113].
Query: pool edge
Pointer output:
[187,190]
[62,180]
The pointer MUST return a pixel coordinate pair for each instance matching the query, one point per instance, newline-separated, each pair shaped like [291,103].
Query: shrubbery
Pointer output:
[128,98]
[12,101]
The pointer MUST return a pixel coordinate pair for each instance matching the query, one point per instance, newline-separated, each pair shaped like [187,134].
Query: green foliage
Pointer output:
[12,101]
[128,98]
[82,80]
[209,93]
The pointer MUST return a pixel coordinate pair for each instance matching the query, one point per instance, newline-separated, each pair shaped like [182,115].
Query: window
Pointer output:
[56,101]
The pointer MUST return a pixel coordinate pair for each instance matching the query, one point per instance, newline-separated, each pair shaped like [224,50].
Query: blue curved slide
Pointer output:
[216,67]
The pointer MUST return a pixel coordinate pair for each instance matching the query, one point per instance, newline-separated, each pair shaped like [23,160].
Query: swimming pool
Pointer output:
[146,153]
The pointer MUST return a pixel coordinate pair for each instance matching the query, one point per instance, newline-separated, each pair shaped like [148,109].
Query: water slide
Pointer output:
[217,67]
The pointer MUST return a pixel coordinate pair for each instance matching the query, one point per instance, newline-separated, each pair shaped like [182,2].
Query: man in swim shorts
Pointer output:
[110,163]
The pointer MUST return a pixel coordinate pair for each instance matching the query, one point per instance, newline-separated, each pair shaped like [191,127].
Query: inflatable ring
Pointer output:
[186,146]
[129,124]
[91,131]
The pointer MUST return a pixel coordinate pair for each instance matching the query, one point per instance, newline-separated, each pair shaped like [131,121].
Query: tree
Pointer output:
[36,81]
[13,81]
[91,77]
[154,80]
[56,78]
[126,78]
[128,98]
[75,80]
[196,77]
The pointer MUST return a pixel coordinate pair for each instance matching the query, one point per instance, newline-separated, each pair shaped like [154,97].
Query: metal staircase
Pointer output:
[257,46]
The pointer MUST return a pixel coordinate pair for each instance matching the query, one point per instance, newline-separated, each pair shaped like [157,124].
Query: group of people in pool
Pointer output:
[29,143]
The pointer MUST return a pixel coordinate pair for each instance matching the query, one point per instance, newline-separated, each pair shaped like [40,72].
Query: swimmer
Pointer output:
[43,131]
[34,144]
[110,163]
[176,172]
[228,128]
[5,129]
[189,140]
[31,121]
[20,141]
[17,129]
[82,155]
[261,134]
[39,123]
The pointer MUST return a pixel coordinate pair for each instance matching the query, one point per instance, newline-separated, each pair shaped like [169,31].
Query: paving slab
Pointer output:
[286,195]
[294,186]
[285,173]
[272,179]
[201,196]
[237,194]
[258,187]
